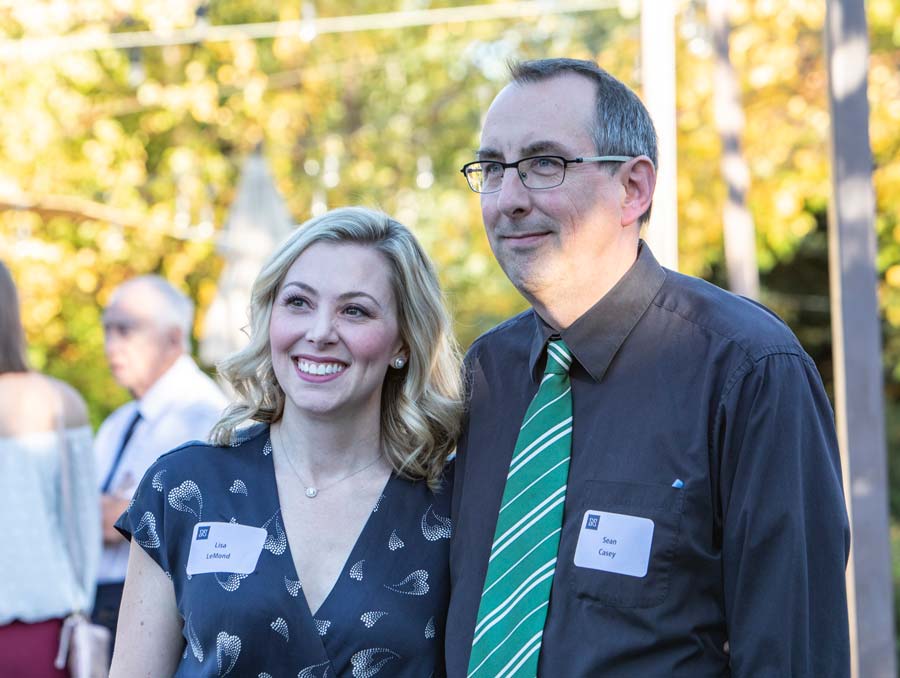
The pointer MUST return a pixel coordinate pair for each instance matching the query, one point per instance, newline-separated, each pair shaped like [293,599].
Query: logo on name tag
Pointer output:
[593,522]
[203,532]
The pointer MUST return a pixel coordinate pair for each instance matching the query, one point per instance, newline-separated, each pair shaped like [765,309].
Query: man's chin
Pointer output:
[123,379]
[526,275]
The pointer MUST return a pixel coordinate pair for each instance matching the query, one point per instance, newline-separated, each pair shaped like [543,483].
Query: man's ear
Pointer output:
[639,180]
[174,337]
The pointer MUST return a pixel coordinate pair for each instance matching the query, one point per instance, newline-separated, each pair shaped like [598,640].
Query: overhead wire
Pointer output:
[46,47]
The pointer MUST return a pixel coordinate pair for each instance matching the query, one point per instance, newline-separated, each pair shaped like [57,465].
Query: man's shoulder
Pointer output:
[512,331]
[195,386]
[756,329]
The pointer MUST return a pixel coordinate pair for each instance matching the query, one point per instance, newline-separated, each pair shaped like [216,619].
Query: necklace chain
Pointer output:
[312,491]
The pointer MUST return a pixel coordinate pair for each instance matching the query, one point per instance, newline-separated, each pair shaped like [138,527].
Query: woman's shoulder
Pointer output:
[193,453]
[34,400]
[75,411]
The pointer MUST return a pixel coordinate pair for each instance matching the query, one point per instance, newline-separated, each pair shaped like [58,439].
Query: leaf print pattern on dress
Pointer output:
[232,583]
[228,649]
[280,627]
[315,671]
[415,584]
[267,448]
[181,496]
[395,542]
[369,618]
[366,663]
[363,614]
[194,640]
[147,525]
[157,480]
[293,587]
[438,528]
[241,436]
[276,544]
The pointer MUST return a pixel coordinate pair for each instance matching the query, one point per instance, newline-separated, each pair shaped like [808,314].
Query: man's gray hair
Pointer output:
[176,308]
[622,124]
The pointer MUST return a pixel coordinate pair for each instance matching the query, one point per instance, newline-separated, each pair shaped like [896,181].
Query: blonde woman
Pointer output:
[315,542]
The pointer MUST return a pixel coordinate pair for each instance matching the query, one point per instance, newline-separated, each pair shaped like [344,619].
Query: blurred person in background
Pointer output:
[147,327]
[49,550]
[315,541]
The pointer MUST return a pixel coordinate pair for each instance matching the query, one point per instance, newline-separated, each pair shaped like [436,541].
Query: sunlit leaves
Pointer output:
[383,118]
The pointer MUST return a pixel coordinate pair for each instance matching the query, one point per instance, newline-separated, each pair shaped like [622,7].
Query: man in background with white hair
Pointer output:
[147,327]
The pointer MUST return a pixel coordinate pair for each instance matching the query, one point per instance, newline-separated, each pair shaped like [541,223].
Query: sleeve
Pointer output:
[785,531]
[144,520]
[85,520]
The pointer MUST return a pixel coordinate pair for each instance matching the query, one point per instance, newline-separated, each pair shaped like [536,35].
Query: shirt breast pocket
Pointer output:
[626,537]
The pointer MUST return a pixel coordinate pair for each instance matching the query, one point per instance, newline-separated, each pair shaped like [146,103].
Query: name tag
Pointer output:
[614,542]
[225,547]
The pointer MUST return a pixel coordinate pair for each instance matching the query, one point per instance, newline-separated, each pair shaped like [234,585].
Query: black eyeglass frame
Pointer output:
[566,162]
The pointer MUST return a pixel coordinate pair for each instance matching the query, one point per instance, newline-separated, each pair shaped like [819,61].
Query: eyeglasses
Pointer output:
[537,171]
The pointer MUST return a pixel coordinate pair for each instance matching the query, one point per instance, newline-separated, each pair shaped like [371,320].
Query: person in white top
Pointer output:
[49,517]
[147,327]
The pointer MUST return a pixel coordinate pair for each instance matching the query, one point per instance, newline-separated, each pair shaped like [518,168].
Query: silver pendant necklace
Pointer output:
[310,490]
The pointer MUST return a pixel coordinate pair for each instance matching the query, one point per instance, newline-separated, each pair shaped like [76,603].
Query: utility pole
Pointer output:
[856,330]
[658,89]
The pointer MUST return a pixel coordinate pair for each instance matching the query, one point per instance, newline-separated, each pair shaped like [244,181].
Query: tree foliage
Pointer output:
[120,162]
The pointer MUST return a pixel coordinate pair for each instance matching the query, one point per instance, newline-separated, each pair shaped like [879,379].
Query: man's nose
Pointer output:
[513,198]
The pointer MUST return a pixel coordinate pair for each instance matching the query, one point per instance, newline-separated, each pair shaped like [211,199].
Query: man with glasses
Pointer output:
[648,480]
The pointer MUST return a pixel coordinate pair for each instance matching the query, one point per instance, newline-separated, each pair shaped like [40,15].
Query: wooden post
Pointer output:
[658,88]
[856,331]
[737,222]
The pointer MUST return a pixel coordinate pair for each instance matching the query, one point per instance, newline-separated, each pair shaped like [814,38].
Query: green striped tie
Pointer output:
[516,594]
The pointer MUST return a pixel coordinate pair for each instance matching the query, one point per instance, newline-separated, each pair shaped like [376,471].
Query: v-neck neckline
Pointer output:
[356,553]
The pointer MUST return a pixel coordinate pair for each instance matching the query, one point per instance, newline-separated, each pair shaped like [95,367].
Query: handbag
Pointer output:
[84,647]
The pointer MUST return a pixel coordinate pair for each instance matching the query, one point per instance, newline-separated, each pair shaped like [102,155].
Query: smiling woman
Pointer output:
[327,478]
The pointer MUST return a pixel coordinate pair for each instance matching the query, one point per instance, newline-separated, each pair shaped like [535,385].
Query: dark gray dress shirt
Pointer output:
[695,409]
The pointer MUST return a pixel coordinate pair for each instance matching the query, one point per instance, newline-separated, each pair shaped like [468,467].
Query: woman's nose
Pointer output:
[321,330]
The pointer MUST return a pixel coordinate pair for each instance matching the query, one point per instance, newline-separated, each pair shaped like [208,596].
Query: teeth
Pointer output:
[319,369]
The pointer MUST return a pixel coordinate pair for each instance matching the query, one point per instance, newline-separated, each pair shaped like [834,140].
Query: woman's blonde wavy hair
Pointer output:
[421,403]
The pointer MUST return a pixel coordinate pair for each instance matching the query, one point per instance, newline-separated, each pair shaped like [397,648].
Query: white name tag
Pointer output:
[225,547]
[614,542]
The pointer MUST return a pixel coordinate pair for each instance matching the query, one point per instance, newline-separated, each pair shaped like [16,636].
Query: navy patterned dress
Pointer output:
[384,616]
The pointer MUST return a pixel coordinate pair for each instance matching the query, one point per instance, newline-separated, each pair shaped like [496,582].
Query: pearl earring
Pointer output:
[398,363]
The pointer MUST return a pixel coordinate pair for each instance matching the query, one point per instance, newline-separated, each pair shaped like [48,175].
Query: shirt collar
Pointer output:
[167,389]
[596,336]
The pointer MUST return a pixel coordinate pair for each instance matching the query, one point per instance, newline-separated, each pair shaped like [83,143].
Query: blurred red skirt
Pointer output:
[28,650]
